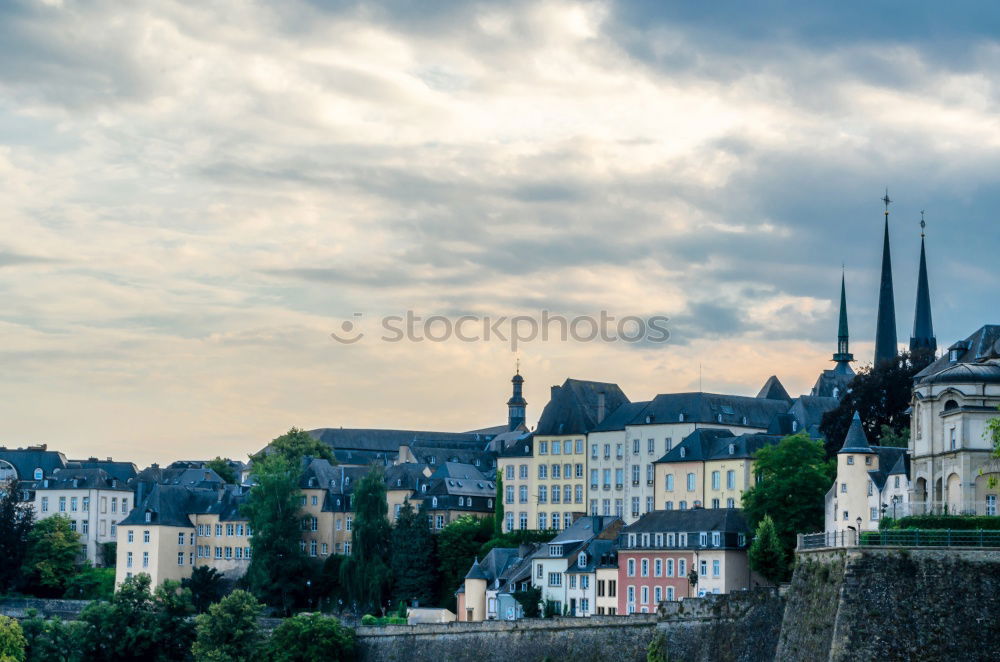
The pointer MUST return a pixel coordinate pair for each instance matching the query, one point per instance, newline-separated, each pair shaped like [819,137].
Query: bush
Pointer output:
[953,522]
[657,649]
[368,619]
[12,641]
[308,637]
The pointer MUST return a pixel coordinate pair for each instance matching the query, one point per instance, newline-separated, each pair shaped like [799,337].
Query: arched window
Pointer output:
[581,560]
[39,473]
[951,404]
[434,502]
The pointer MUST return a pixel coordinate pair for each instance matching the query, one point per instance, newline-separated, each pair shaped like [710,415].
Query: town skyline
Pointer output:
[181,239]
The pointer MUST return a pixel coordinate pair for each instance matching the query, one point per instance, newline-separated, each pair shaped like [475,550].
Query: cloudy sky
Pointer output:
[193,196]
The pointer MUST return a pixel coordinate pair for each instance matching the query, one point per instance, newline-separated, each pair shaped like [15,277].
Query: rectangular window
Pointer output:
[631,567]
[873,515]
[180,558]
[543,447]
[850,459]
[509,494]
[104,504]
[542,521]
[312,548]
[145,536]
[62,504]
[145,559]
[606,507]
[439,521]
[522,521]
[593,451]
[128,560]
[631,594]
[682,568]
[635,506]
[670,567]
[635,447]
[180,538]
[645,595]
[218,530]
[635,474]
[619,508]
[578,494]
[229,552]
[556,448]
[731,480]
[843,488]
[543,471]
[85,504]
[607,451]
[124,505]
[644,565]
[690,482]
[658,568]
[349,522]
[669,483]
[649,504]
[522,471]
[716,538]
[612,588]
[716,568]
[991,504]
[114,504]
[543,495]
[218,552]
[651,446]
[600,588]
[572,581]
[45,504]
[716,480]
[658,593]
[579,447]
[704,568]
[510,472]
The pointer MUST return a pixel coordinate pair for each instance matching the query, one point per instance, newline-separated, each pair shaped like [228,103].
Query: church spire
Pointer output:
[843,357]
[885,330]
[923,328]
[517,404]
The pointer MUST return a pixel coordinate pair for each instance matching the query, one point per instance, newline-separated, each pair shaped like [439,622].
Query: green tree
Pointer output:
[412,560]
[16,519]
[222,467]
[794,479]
[52,640]
[890,437]
[109,554]
[530,600]
[12,641]
[657,649]
[365,575]
[498,508]
[992,434]
[767,556]
[229,631]
[206,585]
[295,445]
[458,544]
[308,637]
[91,583]
[277,564]
[51,559]
[880,395]
[138,625]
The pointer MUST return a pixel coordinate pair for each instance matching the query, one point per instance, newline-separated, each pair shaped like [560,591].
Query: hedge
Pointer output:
[953,522]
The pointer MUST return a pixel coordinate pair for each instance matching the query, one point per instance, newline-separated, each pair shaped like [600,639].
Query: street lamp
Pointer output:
[859,530]
[309,593]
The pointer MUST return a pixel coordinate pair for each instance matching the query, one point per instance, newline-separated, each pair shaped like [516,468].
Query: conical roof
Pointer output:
[885,330]
[856,441]
[476,572]
[923,326]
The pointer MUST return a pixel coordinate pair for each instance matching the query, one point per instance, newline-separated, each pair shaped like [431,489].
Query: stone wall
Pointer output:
[722,628]
[893,604]
[64,609]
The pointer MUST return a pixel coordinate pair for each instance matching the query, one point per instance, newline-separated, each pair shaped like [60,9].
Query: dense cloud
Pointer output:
[195,196]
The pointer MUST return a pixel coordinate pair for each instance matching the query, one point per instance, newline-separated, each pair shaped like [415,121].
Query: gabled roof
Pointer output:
[574,407]
[172,505]
[698,445]
[623,416]
[520,448]
[83,479]
[891,461]
[123,471]
[389,441]
[808,411]
[406,476]
[695,519]
[596,551]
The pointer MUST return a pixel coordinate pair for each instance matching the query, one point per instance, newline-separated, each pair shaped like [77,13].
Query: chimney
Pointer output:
[596,524]
[554,391]
[600,407]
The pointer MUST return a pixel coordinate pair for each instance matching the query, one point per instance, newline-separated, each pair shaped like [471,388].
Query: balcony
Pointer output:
[618,486]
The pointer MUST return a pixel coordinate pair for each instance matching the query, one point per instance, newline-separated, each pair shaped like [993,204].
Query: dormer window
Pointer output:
[718,418]
[39,473]
[732,449]
[149,516]
[953,355]
[681,417]
[795,426]
[461,501]
[555,550]
[581,560]
[744,420]
[434,502]
[683,452]
[631,540]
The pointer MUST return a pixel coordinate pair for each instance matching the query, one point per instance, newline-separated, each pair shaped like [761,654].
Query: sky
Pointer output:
[194,196]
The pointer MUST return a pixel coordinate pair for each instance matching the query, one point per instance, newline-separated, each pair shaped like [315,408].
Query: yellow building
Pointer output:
[515,464]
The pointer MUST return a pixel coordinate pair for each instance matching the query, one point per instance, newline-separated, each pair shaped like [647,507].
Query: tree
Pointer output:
[91,583]
[51,559]
[365,575]
[138,625]
[52,640]
[656,651]
[109,554]
[992,434]
[498,508]
[206,586]
[530,600]
[278,563]
[12,641]
[295,445]
[412,558]
[458,544]
[229,631]
[222,467]
[890,437]
[794,479]
[308,637]
[881,395]
[767,556]
[16,519]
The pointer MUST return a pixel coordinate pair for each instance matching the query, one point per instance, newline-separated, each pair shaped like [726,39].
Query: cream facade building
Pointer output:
[953,399]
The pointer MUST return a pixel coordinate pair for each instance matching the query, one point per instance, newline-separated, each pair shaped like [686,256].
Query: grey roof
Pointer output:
[499,562]
[26,460]
[711,444]
[582,530]
[982,348]
[885,323]
[520,448]
[574,407]
[123,471]
[833,381]
[709,408]
[364,439]
[83,479]
[696,519]
[808,411]
[923,328]
[856,441]
[623,416]
[180,475]
[440,453]
[172,505]
[475,572]
[405,476]
[773,390]
[891,461]
[966,373]
[597,553]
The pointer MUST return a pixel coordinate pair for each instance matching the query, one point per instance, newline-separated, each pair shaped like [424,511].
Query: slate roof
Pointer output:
[573,407]
[389,441]
[26,460]
[83,479]
[406,476]
[623,416]
[829,380]
[581,531]
[696,519]
[891,461]
[978,360]
[773,390]
[123,471]
[808,411]
[711,444]
[520,448]
[708,407]
[499,562]
[172,505]
[856,441]
[460,480]
[598,551]
[475,572]
[437,454]
[180,475]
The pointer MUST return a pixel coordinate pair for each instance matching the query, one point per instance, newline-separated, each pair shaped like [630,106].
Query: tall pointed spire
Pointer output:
[843,357]
[923,328]
[885,329]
